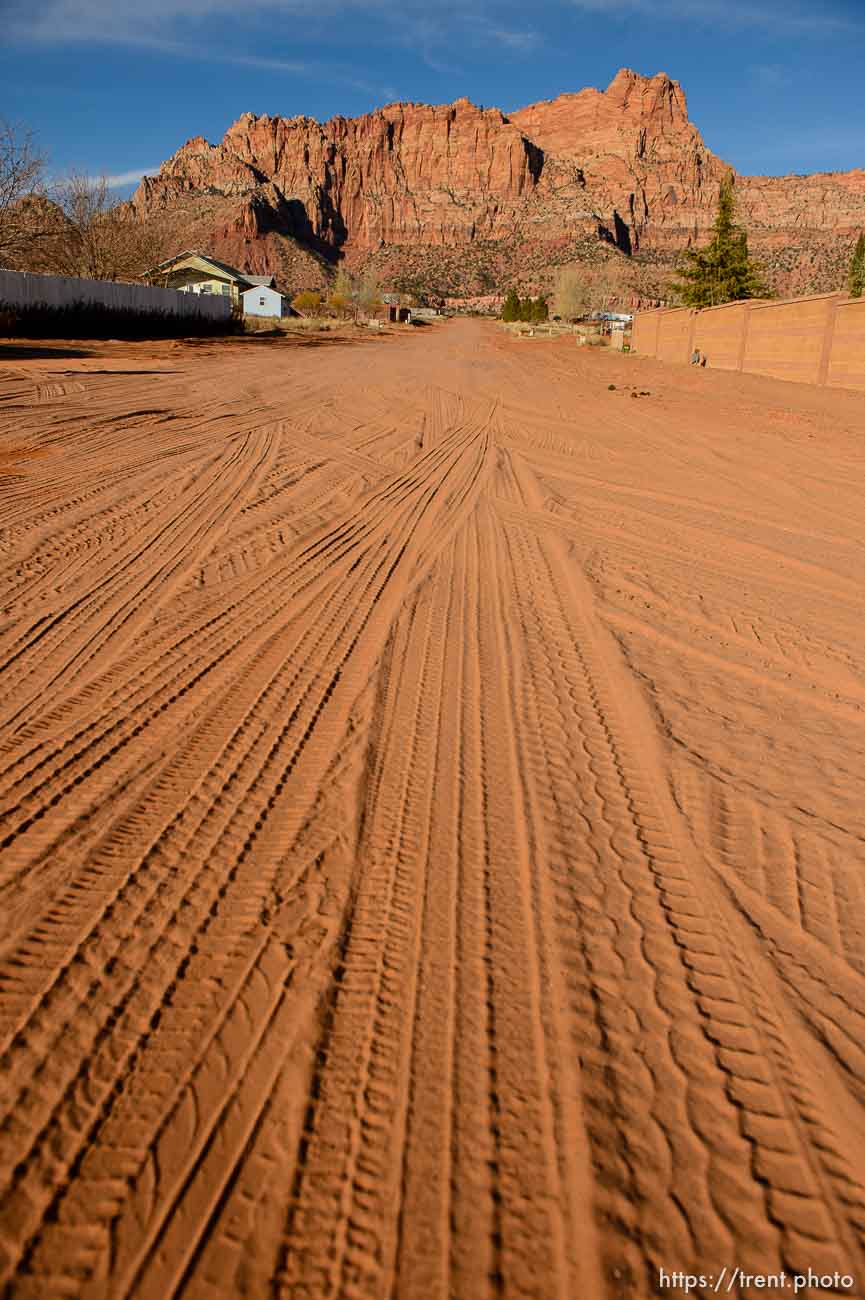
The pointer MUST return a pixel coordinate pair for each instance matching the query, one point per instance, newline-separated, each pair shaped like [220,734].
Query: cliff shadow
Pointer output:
[296,222]
[622,234]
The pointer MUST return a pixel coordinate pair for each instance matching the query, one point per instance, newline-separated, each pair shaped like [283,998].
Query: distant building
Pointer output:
[264,300]
[390,313]
[623,316]
[197,272]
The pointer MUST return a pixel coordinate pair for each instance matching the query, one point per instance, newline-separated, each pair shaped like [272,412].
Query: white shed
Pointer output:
[261,300]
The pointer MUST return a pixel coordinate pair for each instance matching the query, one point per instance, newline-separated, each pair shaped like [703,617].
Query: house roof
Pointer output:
[230,272]
[267,281]
[257,288]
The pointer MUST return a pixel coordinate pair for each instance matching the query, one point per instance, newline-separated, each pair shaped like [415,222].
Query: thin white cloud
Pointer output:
[291,67]
[176,27]
[520,40]
[112,20]
[113,181]
[434,33]
[199,53]
[132,22]
[775,15]
[129,178]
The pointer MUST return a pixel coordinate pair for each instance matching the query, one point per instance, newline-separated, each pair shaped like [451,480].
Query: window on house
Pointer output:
[261,302]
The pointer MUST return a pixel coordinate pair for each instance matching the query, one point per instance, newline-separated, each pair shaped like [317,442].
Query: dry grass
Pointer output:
[542,330]
[295,324]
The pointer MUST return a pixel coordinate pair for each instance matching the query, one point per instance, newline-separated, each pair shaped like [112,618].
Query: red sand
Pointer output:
[433,822]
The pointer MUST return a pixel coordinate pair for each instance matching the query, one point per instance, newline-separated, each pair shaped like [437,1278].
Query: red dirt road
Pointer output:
[433,823]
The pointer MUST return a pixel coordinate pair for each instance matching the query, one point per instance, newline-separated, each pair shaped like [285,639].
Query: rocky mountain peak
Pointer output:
[623,164]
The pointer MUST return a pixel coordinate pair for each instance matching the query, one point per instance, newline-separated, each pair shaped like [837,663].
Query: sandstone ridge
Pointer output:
[580,176]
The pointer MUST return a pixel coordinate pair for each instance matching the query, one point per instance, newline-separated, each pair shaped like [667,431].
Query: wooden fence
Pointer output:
[26,289]
[815,340]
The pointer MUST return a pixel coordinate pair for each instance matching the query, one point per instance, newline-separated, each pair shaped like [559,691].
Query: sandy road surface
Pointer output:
[433,823]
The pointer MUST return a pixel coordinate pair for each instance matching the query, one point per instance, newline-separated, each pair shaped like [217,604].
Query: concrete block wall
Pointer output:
[674,334]
[718,334]
[847,355]
[644,335]
[819,339]
[785,339]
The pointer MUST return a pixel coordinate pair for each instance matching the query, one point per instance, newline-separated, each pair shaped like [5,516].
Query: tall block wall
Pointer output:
[815,340]
[644,336]
[718,335]
[847,354]
[674,334]
[785,339]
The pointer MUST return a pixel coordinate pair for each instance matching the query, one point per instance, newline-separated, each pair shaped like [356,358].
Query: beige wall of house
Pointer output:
[198,275]
[191,281]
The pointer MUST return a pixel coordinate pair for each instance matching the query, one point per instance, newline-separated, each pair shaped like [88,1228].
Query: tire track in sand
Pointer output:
[432,1144]
[185,664]
[213,831]
[360,938]
[104,617]
[720,1148]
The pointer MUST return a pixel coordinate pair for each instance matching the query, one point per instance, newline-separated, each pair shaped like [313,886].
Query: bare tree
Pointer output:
[369,292]
[604,286]
[21,178]
[342,297]
[72,227]
[571,298]
[98,238]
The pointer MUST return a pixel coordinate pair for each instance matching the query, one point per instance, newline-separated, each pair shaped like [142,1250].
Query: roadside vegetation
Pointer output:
[87,320]
[21,174]
[347,298]
[723,271]
[578,290]
[69,225]
[530,310]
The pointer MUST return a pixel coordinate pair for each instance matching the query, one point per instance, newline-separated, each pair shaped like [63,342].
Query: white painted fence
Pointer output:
[26,289]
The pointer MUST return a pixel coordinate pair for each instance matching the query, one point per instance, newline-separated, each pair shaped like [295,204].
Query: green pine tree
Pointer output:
[511,306]
[856,278]
[722,271]
[526,309]
[540,310]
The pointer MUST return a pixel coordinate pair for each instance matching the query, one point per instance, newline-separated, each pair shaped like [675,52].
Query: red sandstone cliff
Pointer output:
[516,193]
[644,164]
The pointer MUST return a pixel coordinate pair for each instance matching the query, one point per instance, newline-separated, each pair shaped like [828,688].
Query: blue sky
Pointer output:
[115,86]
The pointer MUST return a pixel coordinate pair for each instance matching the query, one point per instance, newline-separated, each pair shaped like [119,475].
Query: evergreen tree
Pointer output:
[722,271]
[526,308]
[511,306]
[540,310]
[856,278]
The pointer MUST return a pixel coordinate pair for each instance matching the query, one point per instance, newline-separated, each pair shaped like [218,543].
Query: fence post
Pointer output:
[743,341]
[828,337]
[691,332]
